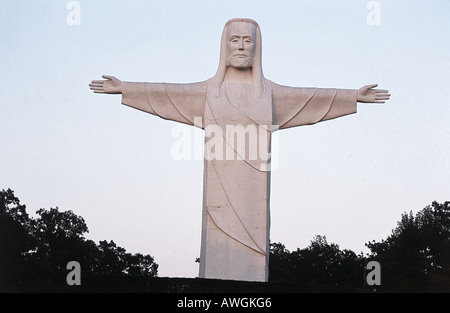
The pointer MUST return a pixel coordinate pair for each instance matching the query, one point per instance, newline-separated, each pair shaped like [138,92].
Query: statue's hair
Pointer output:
[260,85]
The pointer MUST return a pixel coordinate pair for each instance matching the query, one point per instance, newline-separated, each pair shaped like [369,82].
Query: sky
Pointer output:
[349,179]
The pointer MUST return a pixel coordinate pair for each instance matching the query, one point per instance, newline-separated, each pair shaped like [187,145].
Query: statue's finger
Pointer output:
[108,77]
[382,91]
[96,85]
[97,88]
[98,81]
[98,91]
[371,86]
[379,101]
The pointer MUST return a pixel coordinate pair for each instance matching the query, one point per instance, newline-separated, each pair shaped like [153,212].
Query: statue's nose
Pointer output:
[241,45]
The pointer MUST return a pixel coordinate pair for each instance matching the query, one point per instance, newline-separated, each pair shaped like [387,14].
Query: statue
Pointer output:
[239,109]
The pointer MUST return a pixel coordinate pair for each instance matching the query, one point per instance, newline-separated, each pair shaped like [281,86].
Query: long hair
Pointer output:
[260,85]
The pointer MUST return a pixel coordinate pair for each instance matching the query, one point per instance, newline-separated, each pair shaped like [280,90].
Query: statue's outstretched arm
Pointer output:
[176,102]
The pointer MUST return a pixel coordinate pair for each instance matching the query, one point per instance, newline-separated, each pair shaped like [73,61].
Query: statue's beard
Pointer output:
[240,62]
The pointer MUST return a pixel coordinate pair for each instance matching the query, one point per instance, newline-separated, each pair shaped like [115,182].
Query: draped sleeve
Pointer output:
[177,102]
[305,106]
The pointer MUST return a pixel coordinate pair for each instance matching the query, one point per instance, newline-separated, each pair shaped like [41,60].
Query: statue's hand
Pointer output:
[367,94]
[110,85]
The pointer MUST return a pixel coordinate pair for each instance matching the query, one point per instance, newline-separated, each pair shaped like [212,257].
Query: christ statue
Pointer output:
[242,108]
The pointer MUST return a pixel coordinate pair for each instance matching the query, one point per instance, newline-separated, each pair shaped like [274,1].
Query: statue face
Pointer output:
[241,45]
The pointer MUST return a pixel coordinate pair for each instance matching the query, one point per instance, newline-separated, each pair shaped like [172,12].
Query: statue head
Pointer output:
[241,42]
[241,47]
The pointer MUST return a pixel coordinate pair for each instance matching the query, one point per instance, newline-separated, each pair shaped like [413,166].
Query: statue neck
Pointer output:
[237,75]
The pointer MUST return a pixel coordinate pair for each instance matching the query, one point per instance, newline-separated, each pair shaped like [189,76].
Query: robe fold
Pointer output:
[236,183]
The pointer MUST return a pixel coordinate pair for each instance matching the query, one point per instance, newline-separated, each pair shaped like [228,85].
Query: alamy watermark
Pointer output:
[373,278]
[374,15]
[74,276]
[229,142]
[73,18]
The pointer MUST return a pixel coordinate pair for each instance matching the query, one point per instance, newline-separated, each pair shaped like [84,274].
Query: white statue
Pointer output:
[240,107]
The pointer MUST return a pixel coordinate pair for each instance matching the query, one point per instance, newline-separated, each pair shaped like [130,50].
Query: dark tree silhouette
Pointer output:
[281,265]
[114,260]
[319,263]
[34,252]
[15,240]
[416,256]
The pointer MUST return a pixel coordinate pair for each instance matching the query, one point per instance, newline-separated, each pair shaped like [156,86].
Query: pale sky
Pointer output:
[349,179]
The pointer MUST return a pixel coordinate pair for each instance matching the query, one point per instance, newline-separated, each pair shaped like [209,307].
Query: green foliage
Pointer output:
[35,251]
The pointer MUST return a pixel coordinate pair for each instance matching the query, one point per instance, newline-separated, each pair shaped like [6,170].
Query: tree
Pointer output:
[416,256]
[324,263]
[319,263]
[35,252]
[114,260]
[280,263]
[59,239]
[15,240]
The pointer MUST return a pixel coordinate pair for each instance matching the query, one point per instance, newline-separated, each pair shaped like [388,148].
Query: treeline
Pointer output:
[415,257]
[34,252]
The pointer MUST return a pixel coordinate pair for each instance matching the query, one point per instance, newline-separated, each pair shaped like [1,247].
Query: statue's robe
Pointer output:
[236,184]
